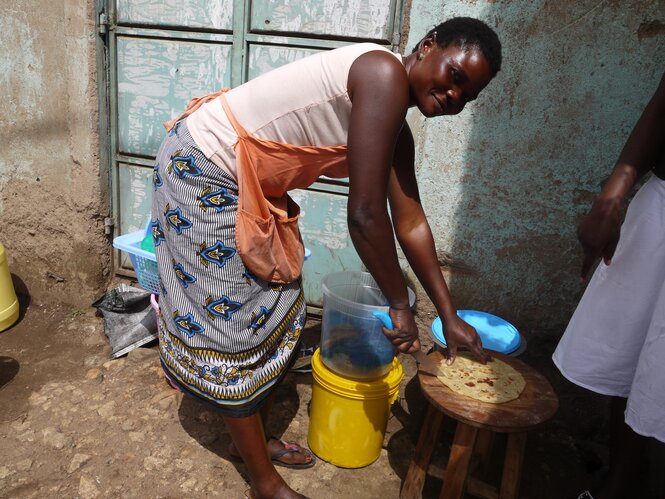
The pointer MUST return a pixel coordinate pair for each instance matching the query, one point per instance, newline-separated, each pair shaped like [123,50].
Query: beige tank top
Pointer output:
[310,108]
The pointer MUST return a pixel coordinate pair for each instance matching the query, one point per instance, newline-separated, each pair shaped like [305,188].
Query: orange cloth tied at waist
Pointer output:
[267,234]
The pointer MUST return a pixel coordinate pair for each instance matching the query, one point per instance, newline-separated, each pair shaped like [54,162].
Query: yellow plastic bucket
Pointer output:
[348,417]
[8,300]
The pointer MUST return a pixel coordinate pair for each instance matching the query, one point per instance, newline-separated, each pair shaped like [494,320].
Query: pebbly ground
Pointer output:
[74,423]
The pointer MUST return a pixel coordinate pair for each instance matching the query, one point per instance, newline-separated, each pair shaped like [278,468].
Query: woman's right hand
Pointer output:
[598,233]
[404,334]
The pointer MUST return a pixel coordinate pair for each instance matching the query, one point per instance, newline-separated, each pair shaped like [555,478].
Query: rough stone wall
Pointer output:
[53,191]
[505,182]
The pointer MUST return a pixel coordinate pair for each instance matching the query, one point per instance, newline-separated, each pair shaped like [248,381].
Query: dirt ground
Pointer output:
[74,423]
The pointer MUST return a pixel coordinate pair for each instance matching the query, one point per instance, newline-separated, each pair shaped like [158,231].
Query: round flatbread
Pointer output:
[495,382]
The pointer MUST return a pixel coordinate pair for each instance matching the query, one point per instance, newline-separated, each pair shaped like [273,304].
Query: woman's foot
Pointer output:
[283,453]
[281,492]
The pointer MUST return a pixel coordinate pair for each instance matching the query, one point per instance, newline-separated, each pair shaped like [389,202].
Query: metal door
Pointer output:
[163,52]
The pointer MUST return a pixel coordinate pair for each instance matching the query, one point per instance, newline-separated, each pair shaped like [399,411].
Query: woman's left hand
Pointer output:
[404,334]
[458,333]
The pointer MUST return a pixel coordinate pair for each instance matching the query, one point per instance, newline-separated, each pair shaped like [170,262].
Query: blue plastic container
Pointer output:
[495,333]
[352,341]
[143,261]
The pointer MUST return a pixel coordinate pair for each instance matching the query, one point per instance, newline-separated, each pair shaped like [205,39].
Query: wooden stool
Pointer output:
[477,423]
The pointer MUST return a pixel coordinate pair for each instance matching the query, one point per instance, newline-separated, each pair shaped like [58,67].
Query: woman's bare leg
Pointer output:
[272,444]
[250,442]
[266,408]
[627,451]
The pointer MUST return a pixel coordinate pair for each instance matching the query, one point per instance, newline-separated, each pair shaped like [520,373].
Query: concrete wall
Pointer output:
[505,182]
[52,188]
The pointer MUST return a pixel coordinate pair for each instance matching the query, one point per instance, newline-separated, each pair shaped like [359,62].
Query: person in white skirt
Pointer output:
[615,342]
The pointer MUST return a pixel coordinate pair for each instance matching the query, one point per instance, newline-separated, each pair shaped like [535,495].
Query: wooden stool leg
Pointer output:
[454,481]
[412,487]
[483,448]
[512,466]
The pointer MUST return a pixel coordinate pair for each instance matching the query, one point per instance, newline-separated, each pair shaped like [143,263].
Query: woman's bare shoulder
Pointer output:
[379,71]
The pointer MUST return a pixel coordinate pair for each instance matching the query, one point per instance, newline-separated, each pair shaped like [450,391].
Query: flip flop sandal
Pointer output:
[290,448]
[585,495]
[171,383]
[303,363]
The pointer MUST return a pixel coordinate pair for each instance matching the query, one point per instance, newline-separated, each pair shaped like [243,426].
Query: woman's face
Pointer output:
[445,79]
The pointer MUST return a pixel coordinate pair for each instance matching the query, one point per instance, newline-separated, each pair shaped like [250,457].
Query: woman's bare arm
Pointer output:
[379,90]
[415,238]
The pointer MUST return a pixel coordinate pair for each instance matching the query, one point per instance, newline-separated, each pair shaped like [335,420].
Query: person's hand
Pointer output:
[598,233]
[404,334]
[458,334]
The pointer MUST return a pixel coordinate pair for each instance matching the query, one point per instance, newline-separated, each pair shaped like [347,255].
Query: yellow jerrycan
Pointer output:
[8,301]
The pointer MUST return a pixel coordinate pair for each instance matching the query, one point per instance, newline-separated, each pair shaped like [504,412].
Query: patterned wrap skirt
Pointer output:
[226,337]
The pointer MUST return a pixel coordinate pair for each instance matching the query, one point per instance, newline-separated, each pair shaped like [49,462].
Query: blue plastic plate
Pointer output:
[495,333]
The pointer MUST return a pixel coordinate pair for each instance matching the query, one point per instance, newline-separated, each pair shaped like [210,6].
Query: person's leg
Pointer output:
[266,408]
[627,451]
[249,439]
[275,445]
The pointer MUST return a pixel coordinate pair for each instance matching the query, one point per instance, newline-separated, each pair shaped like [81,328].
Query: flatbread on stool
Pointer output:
[495,382]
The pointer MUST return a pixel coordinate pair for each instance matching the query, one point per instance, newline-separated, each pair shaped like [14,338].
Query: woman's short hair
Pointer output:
[466,32]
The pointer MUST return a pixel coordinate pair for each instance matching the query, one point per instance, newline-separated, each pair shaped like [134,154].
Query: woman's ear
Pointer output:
[426,45]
